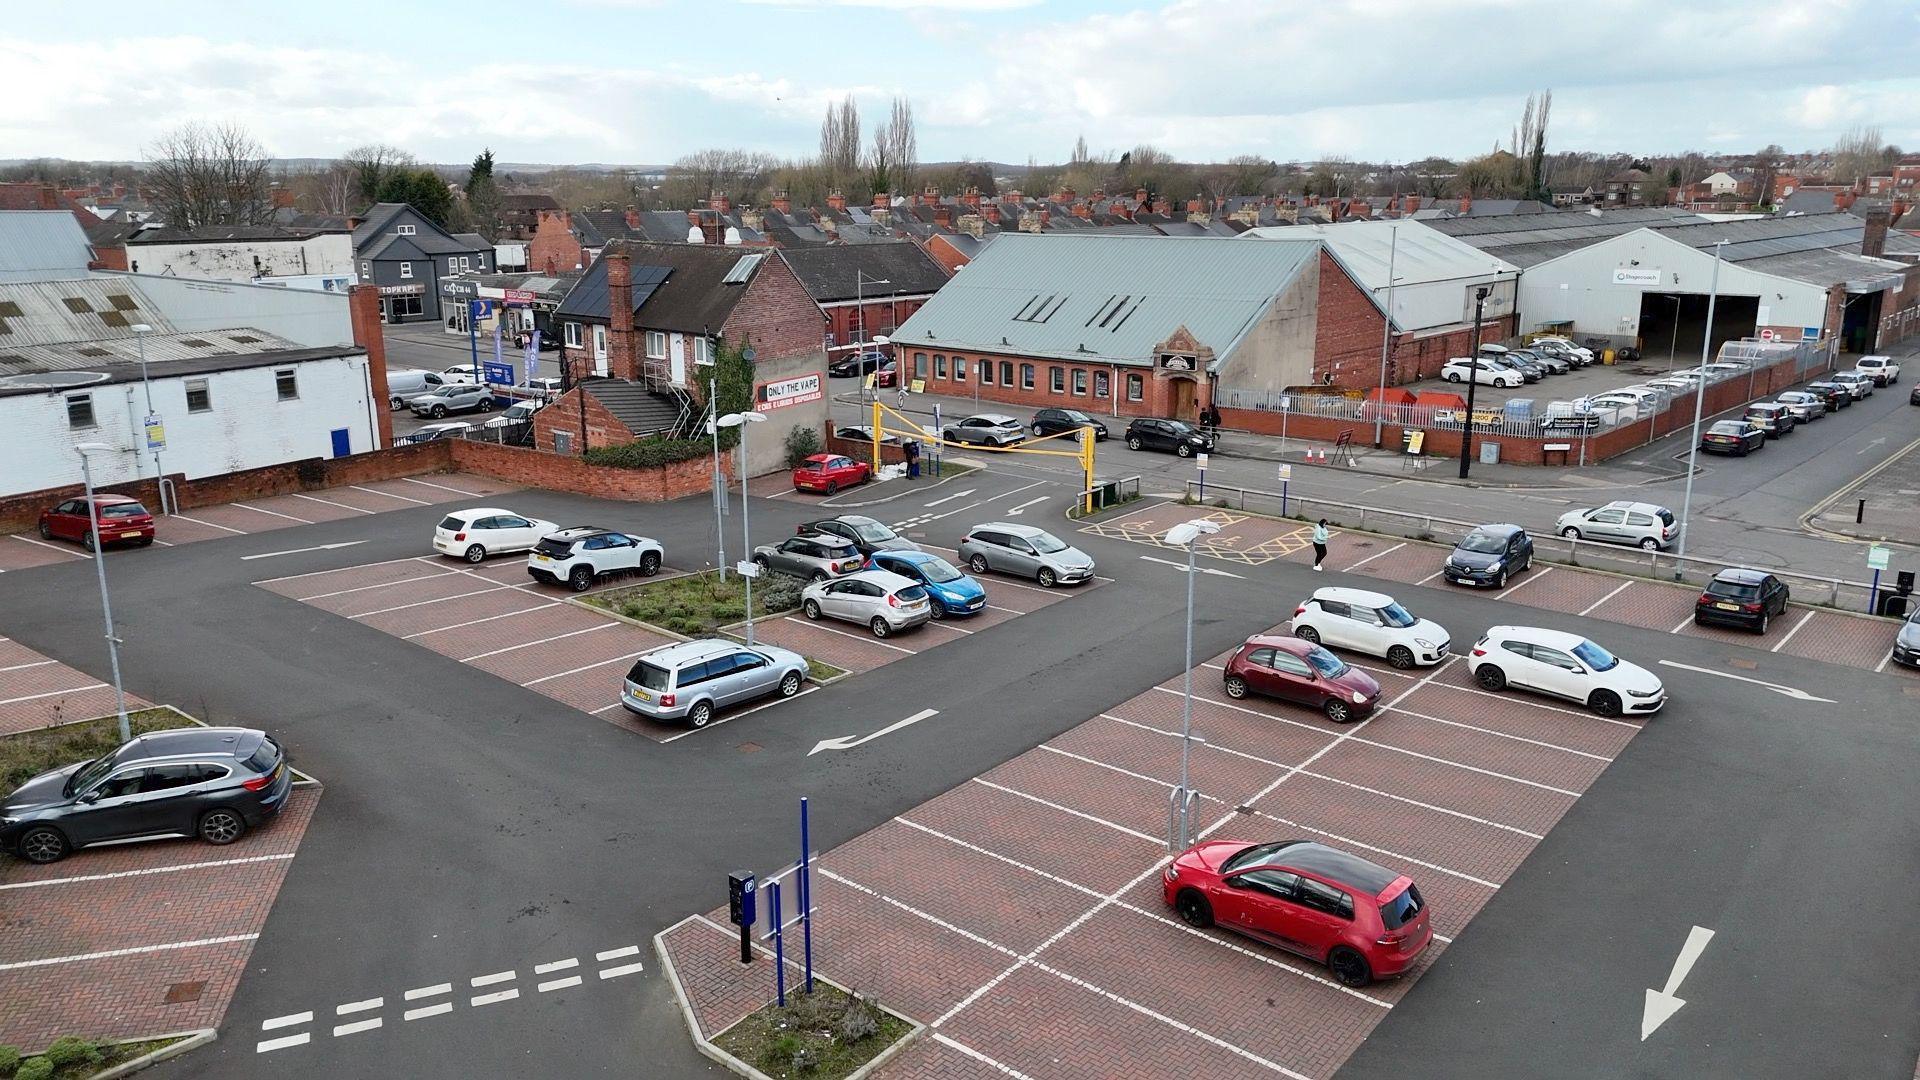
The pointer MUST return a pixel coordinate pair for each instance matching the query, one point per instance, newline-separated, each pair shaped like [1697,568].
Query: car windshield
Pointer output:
[939,571]
[1047,543]
[1484,543]
[1253,856]
[873,530]
[265,757]
[452,524]
[1734,590]
[1180,427]
[1395,615]
[1595,657]
[121,510]
[89,776]
[648,676]
[1728,427]
[1326,663]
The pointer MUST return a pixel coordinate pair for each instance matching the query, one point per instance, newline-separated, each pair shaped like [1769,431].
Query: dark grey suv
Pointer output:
[214,783]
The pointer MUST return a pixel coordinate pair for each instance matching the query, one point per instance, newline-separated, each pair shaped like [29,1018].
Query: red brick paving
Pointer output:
[56,693]
[1833,638]
[1485,796]
[1407,565]
[1042,837]
[1469,747]
[1517,713]
[20,552]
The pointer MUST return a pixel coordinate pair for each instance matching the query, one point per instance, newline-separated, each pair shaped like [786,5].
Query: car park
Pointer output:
[1860,386]
[405,384]
[211,782]
[579,556]
[1372,623]
[856,364]
[1024,551]
[829,473]
[1736,437]
[1581,413]
[1741,597]
[1906,642]
[452,398]
[1883,370]
[1836,395]
[1643,525]
[1486,373]
[123,520]
[1772,417]
[1552,365]
[815,558]
[692,680]
[1616,407]
[1296,670]
[515,415]
[1054,421]
[1564,665]
[885,603]
[1804,406]
[949,592]
[1363,921]
[1489,555]
[1673,385]
[1168,436]
[482,531]
[1526,369]
[865,534]
[985,429]
[446,429]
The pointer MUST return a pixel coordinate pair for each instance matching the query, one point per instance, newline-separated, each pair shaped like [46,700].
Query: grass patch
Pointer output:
[72,1058]
[949,470]
[818,672]
[30,753]
[698,604]
[825,1035]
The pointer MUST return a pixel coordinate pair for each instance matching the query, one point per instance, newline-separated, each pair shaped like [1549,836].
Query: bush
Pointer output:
[71,1049]
[802,443]
[650,453]
[37,1068]
[9,1060]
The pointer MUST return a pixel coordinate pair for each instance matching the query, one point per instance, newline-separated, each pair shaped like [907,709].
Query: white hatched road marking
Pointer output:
[443,487]
[390,495]
[541,641]
[212,525]
[615,954]
[356,1027]
[286,1021]
[1616,592]
[489,980]
[330,502]
[352,1007]
[557,965]
[429,991]
[134,951]
[428,1010]
[559,984]
[272,513]
[1796,629]
[492,999]
[269,1045]
[844,634]
[476,622]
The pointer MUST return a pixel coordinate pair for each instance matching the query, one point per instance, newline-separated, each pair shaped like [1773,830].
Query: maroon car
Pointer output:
[1294,670]
[122,520]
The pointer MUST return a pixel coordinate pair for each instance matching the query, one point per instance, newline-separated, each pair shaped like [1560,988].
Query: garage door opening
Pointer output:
[1860,324]
[1671,325]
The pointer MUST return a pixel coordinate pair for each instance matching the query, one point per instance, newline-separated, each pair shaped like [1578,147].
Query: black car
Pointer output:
[1736,437]
[1913,396]
[1052,421]
[1749,598]
[863,533]
[214,783]
[1489,555]
[858,364]
[1176,436]
[1837,396]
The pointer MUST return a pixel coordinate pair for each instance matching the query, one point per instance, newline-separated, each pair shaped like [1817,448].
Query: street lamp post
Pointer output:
[1186,535]
[100,567]
[1699,399]
[140,332]
[1473,380]
[741,420]
[1386,339]
[719,483]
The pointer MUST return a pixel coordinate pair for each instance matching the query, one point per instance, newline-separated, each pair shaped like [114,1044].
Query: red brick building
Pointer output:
[865,290]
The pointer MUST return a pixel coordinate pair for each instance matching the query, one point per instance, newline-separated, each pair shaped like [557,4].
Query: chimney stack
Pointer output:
[971,197]
[718,201]
[991,211]
[1466,203]
[1194,205]
[1411,204]
[633,218]
[1873,239]
[931,196]
[973,225]
[781,203]
[622,357]
[836,200]
[882,201]
[943,216]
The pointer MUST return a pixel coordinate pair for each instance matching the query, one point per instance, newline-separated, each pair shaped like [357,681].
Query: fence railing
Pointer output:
[1104,494]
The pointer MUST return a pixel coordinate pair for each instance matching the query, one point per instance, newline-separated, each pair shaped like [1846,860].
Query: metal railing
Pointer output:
[1104,494]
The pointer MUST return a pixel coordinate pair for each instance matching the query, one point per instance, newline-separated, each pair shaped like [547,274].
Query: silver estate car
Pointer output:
[692,680]
[882,601]
[1024,551]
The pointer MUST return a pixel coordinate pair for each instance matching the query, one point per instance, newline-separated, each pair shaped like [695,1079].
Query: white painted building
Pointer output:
[247,253]
[1434,275]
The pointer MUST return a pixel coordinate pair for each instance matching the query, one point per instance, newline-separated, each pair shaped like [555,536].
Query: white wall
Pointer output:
[1424,305]
[306,317]
[247,426]
[1597,306]
[233,260]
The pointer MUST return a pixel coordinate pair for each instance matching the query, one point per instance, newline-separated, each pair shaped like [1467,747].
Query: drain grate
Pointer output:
[181,993]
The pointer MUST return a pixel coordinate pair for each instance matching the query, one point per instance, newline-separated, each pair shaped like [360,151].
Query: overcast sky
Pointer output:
[641,82]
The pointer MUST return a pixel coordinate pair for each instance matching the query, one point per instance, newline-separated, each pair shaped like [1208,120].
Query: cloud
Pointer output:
[903,5]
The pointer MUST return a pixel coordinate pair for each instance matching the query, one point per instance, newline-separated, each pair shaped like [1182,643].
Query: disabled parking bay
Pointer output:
[1062,947]
[1242,538]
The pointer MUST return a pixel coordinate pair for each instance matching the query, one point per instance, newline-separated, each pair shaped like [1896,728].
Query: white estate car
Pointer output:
[1489,372]
[1566,666]
[477,533]
[1881,369]
[579,556]
[1372,623]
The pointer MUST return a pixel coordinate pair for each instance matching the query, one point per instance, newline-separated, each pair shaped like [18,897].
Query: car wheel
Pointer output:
[1194,909]
[811,609]
[1307,633]
[476,553]
[1133,442]
[1400,656]
[43,845]
[936,609]
[1501,581]
[818,577]
[701,714]
[790,685]
[87,541]
[1349,967]
[649,564]
[396,404]
[1183,450]
[761,562]
[46,531]
[486,404]
[222,826]
[833,487]
[439,412]
[1766,620]
[146,541]
[1337,711]
[1490,677]
[1570,533]
[1604,702]
[581,579]
[1236,687]
[977,564]
[1046,578]
[1453,376]
[1648,543]
[880,627]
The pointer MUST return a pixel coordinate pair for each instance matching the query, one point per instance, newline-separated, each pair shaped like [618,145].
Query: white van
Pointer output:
[405,384]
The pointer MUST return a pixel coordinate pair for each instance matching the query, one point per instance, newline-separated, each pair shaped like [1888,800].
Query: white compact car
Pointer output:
[1565,666]
[1372,623]
[475,534]
[883,601]
[1489,372]
[579,556]
[1881,369]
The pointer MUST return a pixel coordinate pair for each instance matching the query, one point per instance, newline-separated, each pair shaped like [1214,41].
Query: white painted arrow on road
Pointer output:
[848,742]
[1793,692]
[950,498]
[1661,1004]
[297,551]
[1022,508]
[1182,567]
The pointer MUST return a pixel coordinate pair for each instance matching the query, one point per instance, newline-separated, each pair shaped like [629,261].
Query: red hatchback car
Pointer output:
[829,473]
[1362,920]
[122,520]
[1292,669]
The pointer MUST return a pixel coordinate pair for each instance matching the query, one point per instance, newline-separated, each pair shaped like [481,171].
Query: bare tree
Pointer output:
[371,165]
[891,164]
[1431,177]
[1857,153]
[740,175]
[1530,146]
[204,175]
[1152,168]
[840,140]
[1766,165]
[1080,154]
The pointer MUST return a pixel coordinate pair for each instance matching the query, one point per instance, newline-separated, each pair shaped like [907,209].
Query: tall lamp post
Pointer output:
[741,420]
[1473,380]
[1386,339]
[1699,399]
[100,567]
[1185,535]
[860,282]
[140,332]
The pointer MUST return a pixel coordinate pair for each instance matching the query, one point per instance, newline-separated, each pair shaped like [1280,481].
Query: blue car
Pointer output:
[951,592]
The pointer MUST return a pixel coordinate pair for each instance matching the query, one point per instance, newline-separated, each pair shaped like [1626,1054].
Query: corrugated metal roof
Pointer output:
[1105,297]
[40,244]
[1419,254]
[1826,268]
[100,355]
[80,309]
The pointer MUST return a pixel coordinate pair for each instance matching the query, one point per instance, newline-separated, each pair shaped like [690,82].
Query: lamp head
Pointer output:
[736,419]
[141,328]
[1187,532]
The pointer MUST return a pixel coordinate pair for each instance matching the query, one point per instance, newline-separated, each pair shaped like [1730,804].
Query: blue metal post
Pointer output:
[1873,595]
[806,894]
[779,947]
[1283,498]
[473,342]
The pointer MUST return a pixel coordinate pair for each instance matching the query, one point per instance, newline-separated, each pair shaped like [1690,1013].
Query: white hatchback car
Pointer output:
[1881,369]
[1372,623]
[475,534]
[1565,666]
[883,601]
[1489,372]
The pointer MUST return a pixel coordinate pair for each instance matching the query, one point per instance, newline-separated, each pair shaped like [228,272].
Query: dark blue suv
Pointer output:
[1489,555]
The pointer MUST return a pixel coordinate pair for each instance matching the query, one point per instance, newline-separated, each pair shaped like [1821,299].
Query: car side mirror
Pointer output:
[1236,882]
[90,797]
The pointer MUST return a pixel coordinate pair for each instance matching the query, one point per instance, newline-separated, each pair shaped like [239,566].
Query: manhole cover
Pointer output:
[748,747]
[181,993]
[1744,665]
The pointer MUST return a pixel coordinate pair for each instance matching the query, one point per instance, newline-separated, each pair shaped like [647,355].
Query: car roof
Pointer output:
[1007,527]
[828,539]
[1742,575]
[1352,596]
[1284,642]
[1499,528]
[1762,405]
[576,532]
[854,519]
[907,556]
[1539,635]
[998,418]
[681,653]
[1651,508]
[1876,358]
[190,741]
[825,457]
[1737,425]
[1335,865]
[101,498]
[886,579]
[476,511]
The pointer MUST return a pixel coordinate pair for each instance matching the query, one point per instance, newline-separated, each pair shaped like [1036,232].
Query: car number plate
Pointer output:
[129,535]
[543,558]
[1728,607]
[643,695]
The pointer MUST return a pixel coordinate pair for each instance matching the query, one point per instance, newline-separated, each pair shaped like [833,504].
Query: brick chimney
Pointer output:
[1066,195]
[1013,196]
[1843,200]
[1466,203]
[974,225]
[943,216]
[633,218]
[1122,208]
[781,203]
[930,196]
[1083,210]
[1360,208]
[882,201]
[991,211]
[1163,206]
[1411,204]
[971,197]
[363,311]
[623,358]
[836,200]
[1195,206]
[1873,239]
[354,221]
[719,201]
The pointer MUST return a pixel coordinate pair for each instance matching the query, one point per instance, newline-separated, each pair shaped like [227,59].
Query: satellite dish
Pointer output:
[694,236]
[748,354]
[733,236]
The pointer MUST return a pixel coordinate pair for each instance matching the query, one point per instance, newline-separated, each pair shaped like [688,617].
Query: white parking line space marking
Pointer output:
[427,603]
[541,641]
[50,547]
[844,634]
[352,1007]
[330,502]
[1523,583]
[624,969]
[429,991]
[23,667]
[212,525]
[356,1027]
[1501,734]
[270,1045]
[477,622]
[1423,805]
[390,495]
[615,954]
[133,951]
[494,999]
[288,1020]
[52,693]
[730,716]
[1681,625]
[376,585]
[340,570]
[559,984]
[271,513]
[1884,661]
[1002,1069]
[443,487]
[1462,875]
[935,624]
[1372,557]
[557,965]
[1590,608]
[1430,577]
[489,980]
[587,667]
[1519,699]
[1788,636]
[428,1010]
[1117,827]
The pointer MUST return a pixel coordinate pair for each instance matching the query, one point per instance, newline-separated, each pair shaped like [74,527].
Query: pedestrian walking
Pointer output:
[1320,545]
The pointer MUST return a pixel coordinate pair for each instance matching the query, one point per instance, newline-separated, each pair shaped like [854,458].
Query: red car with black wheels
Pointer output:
[122,521]
[1363,921]
[829,473]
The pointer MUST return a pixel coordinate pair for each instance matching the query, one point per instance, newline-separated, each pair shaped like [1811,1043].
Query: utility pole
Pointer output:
[1466,433]
[1699,400]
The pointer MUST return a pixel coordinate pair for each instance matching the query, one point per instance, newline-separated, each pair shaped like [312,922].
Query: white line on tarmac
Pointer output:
[1796,629]
[428,991]
[330,502]
[844,634]
[1372,557]
[624,969]
[270,1045]
[425,1011]
[272,513]
[443,487]
[559,984]
[557,965]
[390,495]
[50,547]
[1616,592]
[286,1021]
[356,1027]
[352,1007]
[490,999]
[489,980]
[541,641]
[615,954]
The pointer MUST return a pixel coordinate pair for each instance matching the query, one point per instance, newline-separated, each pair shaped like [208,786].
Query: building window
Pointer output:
[199,398]
[1026,376]
[1057,379]
[562,442]
[80,411]
[702,351]
[1080,382]
[986,372]
[1006,373]
[1101,386]
[453,265]
[939,366]
[404,230]
[286,384]
[480,263]
[656,345]
[919,365]
[1136,388]
[366,270]
[573,334]
[406,269]
[402,306]
[959,369]
[465,263]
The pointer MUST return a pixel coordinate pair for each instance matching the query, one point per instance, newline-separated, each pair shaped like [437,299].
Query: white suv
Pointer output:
[579,556]
[1881,369]
[1372,623]
[1643,525]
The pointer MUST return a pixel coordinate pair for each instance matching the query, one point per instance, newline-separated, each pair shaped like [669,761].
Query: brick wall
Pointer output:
[776,316]
[1155,397]
[535,468]
[563,415]
[363,308]
[883,317]
[949,257]
[1346,345]
[554,248]
[861,450]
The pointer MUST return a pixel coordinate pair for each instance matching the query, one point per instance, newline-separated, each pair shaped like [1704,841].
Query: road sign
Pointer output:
[156,432]
[1766,334]
[747,568]
[1201,461]
[1879,557]
[1286,473]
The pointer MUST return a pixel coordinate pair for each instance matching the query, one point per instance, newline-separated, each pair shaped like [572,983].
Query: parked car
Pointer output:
[856,364]
[949,592]
[1749,598]
[886,373]
[582,555]
[692,680]
[1294,669]
[1554,365]
[1024,551]
[830,472]
[516,414]
[1836,395]
[542,390]
[1560,346]
[1170,436]
[1772,417]
[1674,385]
[477,533]
[985,429]
[405,384]
[459,373]
[1906,642]
[1529,370]
[1621,408]
[1566,666]
[123,520]
[1643,525]
[1736,437]
[864,533]
[213,783]
[1362,920]
[446,429]
[452,398]
[865,434]
[883,602]
[815,558]
[1372,623]
[1883,370]
[1051,421]
[1651,399]
[1577,414]
[1489,555]
[1913,396]
[1805,407]
[1462,368]
[1860,386]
